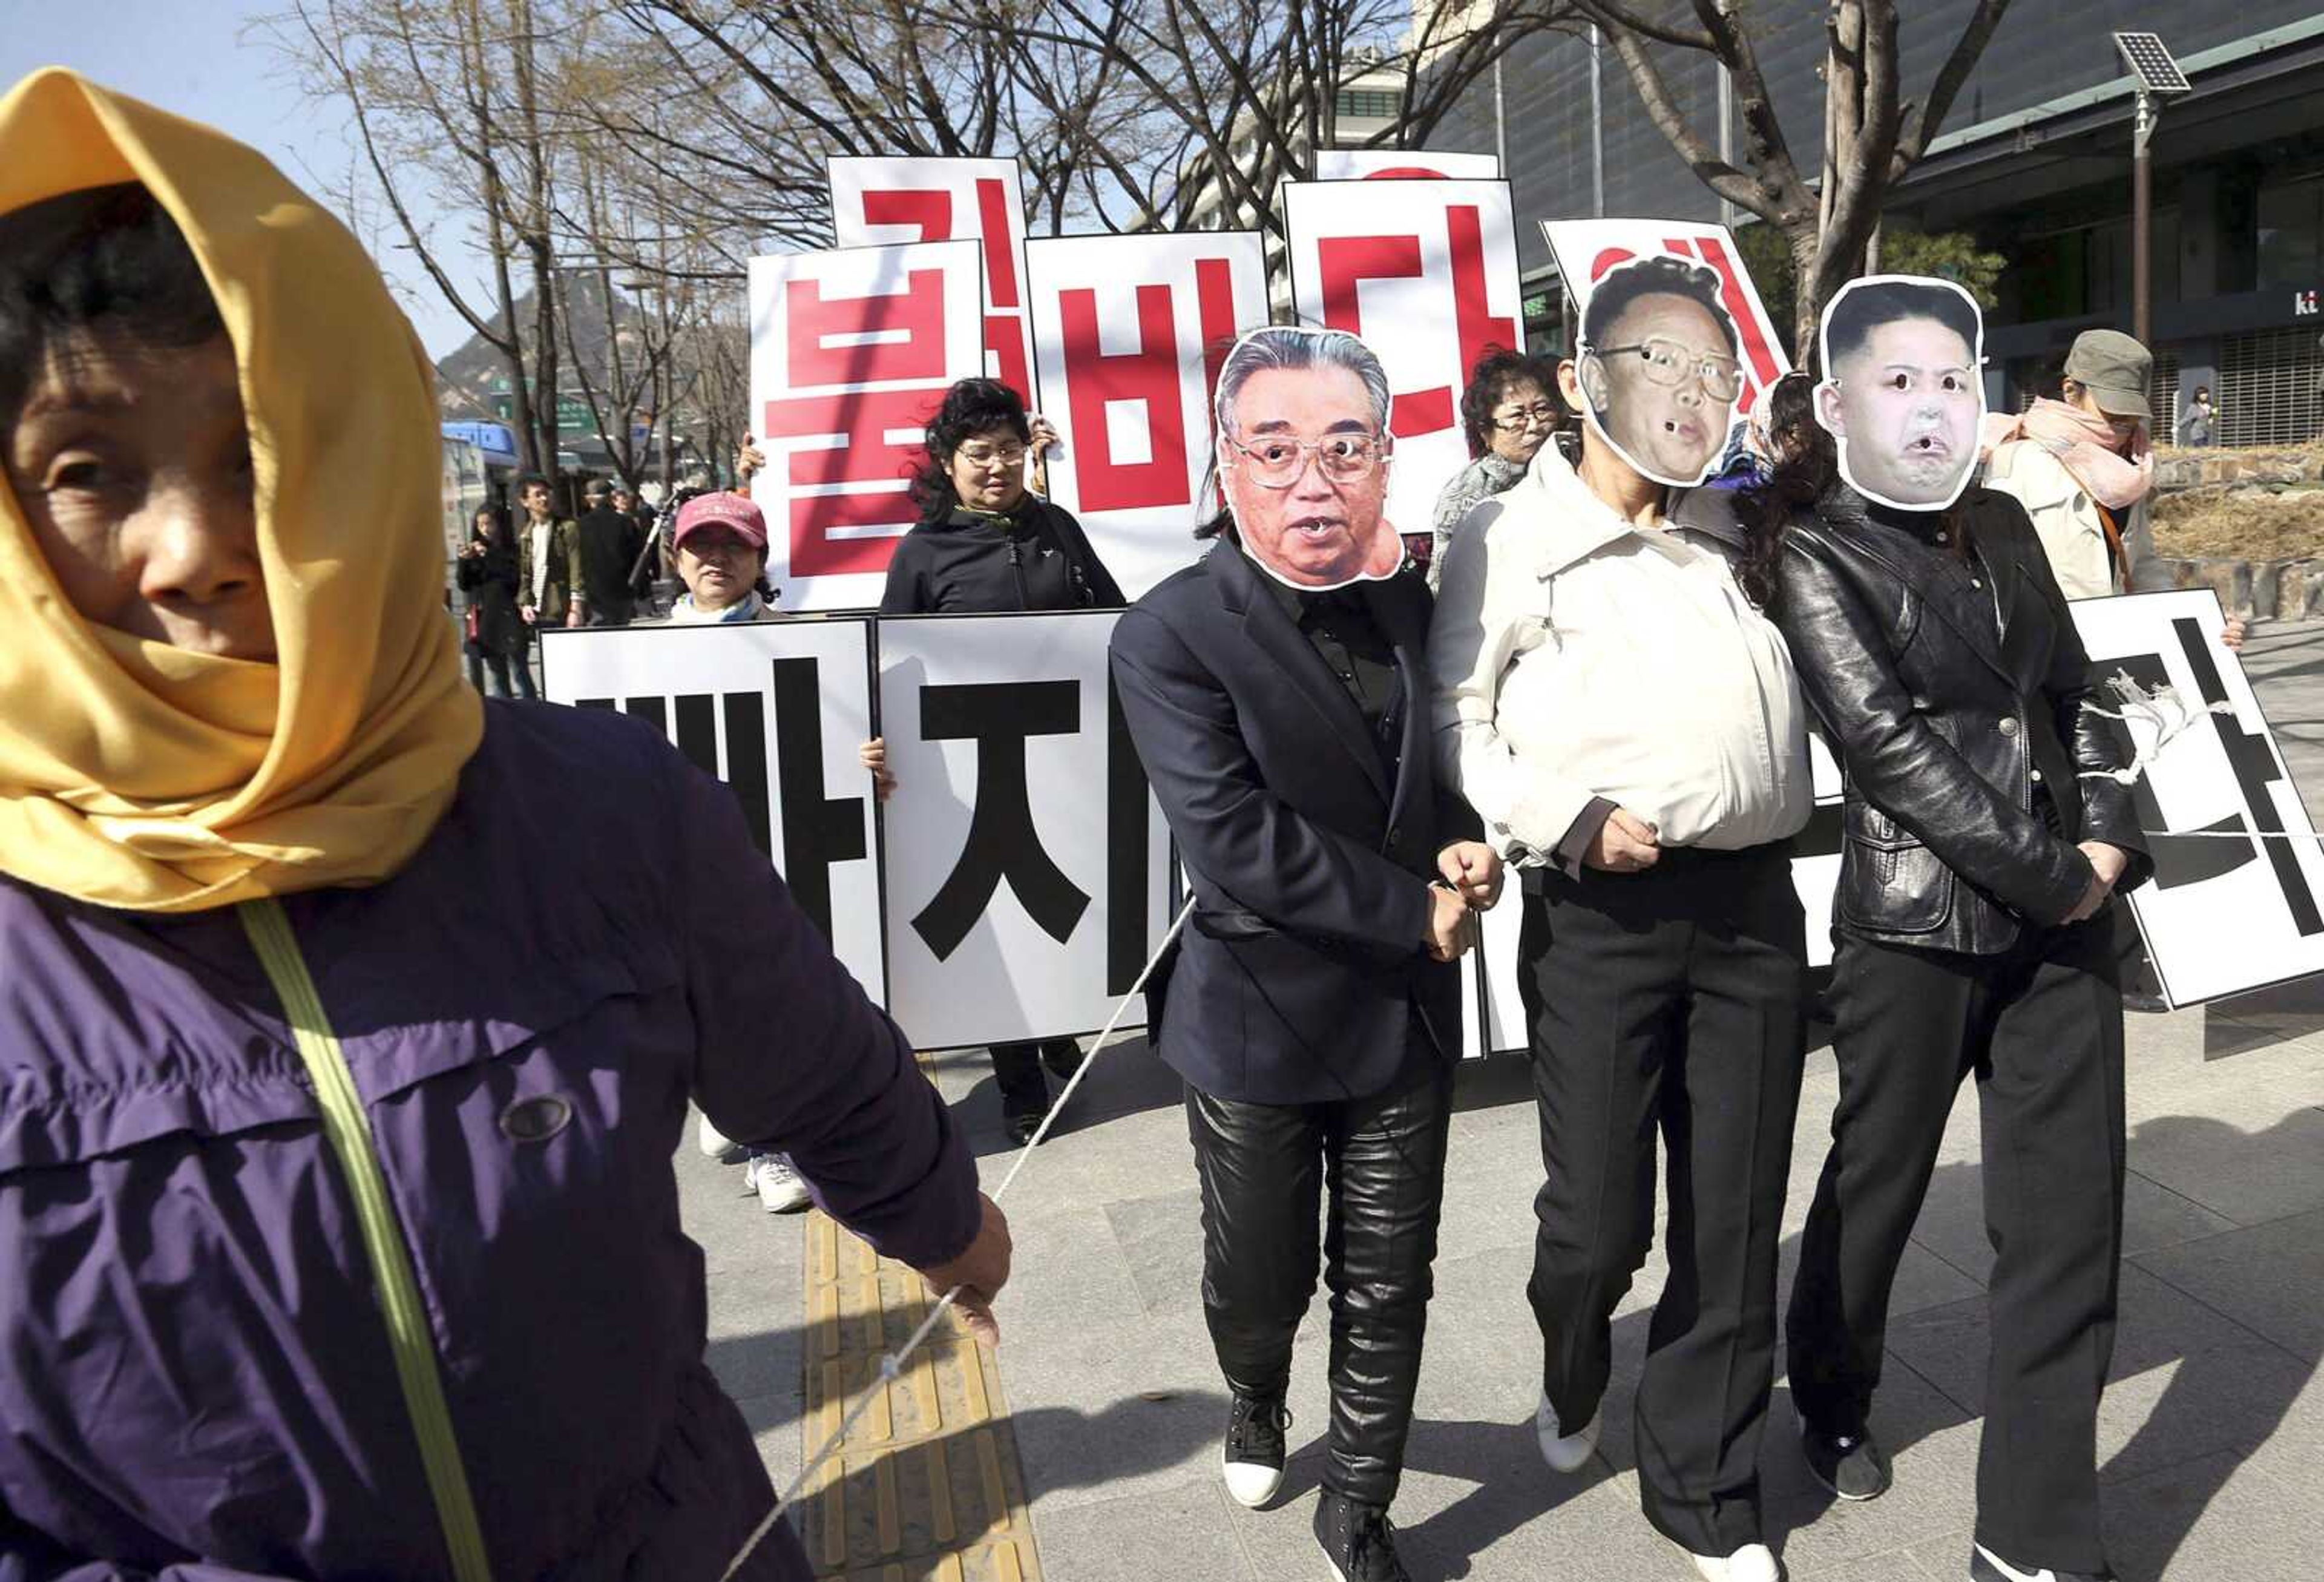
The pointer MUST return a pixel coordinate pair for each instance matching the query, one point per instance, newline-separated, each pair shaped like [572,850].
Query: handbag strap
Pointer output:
[347,1125]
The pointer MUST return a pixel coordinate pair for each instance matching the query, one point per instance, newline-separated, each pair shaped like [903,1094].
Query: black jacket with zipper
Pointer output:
[964,562]
[1950,681]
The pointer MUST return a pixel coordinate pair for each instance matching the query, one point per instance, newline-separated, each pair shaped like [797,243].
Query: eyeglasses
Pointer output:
[979,455]
[1669,361]
[1541,416]
[1278,463]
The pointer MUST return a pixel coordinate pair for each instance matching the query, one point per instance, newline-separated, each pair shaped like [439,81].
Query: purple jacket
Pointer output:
[195,1378]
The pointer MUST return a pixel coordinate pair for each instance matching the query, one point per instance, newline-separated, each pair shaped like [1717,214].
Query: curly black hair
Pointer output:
[1806,463]
[1490,381]
[106,260]
[1659,276]
[970,408]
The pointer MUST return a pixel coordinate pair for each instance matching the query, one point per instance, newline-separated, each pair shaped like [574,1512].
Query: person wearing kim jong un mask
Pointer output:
[1902,394]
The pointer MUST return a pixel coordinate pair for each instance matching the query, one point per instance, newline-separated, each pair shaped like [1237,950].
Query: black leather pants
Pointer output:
[1264,1168]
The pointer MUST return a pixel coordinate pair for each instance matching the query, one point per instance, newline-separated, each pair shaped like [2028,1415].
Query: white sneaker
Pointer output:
[779,1188]
[1753,1562]
[715,1144]
[1984,1566]
[1565,1452]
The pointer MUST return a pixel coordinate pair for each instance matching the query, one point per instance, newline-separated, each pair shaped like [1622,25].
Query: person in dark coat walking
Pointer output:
[488,573]
[985,544]
[606,542]
[1314,1009]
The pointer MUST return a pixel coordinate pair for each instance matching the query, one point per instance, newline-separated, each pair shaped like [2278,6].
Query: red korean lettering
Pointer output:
[929,210]
[865,340]
[1148,374]
[863,420]
[1346,263]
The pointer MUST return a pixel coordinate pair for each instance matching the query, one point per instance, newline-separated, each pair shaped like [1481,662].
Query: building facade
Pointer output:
[2034,161]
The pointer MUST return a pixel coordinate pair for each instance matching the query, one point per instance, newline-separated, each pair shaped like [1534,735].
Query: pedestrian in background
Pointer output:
[548,572]
[606,542]
[2199,421]
[1508,413]
[487,572]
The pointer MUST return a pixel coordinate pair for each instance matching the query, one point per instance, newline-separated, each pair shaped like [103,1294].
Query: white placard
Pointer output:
[878,201]
[1504,1029]
[1403,164]
[1586,249]
[777,710]
[2237,902]
[1815,851]
[1028,862]
[1425,273]
[1128,333]
[850,353]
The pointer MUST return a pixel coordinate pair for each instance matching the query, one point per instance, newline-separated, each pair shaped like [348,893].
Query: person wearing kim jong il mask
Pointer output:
[1902,392]
[1658,368]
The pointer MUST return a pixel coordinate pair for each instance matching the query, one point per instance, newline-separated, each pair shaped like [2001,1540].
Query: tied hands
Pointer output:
[1468,881]
[2108,865]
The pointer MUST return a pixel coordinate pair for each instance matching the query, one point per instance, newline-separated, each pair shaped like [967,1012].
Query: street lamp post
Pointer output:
[2157,77]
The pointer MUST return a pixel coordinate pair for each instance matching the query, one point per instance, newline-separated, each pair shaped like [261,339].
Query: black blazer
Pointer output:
[1949,689]
[1303,966]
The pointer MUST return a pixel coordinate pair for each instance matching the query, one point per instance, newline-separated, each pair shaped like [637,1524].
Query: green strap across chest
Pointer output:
[347,1125]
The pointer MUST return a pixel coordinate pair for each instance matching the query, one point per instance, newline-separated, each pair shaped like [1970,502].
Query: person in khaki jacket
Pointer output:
[2083,467]
[548,564]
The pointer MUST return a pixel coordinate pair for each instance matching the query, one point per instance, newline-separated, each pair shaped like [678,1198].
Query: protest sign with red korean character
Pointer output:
[1586,249]
[850,353]
[879,202]
[1128,333]
[1425,272]
[1403,164]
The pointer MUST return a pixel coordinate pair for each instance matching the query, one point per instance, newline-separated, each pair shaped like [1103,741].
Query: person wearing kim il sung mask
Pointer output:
[1902,394]
[1658,368]
[1303,453]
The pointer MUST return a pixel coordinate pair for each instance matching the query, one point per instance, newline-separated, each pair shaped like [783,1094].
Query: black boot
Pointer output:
[1357,1541]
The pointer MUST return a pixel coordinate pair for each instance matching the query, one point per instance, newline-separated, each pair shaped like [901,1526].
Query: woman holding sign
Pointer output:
[1983,833]
[985,544]
[351,1020]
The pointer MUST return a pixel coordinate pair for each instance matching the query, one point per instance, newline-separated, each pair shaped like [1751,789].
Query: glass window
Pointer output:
[2291,220]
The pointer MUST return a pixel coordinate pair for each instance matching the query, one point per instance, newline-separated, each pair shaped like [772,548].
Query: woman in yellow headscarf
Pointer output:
[320,1038]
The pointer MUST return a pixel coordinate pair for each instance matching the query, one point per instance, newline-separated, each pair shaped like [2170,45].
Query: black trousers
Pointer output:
[1017,1069]
[2041,1028]
[1669,999]
[1265,1169]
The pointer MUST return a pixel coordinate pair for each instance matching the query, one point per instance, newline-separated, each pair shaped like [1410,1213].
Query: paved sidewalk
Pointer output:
[2211,1435]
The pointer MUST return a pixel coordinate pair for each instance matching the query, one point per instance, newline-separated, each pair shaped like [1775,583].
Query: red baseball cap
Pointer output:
[725,507]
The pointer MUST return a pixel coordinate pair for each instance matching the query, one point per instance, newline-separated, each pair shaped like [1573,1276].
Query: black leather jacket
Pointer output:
[1951,689]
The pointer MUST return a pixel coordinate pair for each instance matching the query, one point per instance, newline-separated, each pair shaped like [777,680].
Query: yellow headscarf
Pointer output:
[137,774]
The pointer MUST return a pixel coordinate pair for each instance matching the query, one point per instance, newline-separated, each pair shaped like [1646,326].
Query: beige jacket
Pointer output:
[1576,657]
[2067,522]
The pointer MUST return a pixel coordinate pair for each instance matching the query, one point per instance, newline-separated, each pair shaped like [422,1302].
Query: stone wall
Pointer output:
[2264,589]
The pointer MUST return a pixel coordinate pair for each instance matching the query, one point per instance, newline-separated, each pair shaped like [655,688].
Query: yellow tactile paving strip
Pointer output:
[929,1485]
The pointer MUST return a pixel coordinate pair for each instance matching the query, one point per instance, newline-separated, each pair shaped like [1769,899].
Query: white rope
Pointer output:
[893,1366]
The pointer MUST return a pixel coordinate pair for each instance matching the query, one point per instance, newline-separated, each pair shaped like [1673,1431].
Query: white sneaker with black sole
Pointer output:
[1565,1452]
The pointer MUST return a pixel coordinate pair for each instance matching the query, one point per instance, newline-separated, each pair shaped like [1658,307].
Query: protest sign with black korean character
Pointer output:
[1027,864]
[879,202]
[1425,273]
[850,353]
[1129,333]
[777,710]
[2236,901]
